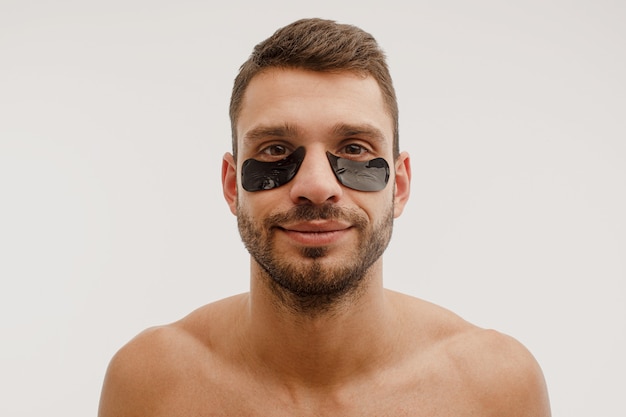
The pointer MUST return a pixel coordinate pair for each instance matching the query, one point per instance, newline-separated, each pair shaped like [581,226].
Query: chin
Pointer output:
[315,253]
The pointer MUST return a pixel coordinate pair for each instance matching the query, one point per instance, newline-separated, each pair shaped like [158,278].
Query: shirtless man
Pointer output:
[315,180]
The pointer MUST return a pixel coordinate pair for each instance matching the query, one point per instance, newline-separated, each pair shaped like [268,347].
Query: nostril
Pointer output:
[315,185]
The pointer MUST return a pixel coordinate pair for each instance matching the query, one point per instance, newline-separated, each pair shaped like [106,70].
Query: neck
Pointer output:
[351,336]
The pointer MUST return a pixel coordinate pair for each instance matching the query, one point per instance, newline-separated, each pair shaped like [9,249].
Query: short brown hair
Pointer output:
[317,45]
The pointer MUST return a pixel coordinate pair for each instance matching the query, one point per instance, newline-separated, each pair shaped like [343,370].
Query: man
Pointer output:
[315,180]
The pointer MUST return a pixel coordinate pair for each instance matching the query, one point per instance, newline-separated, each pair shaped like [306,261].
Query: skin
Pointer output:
[373,352]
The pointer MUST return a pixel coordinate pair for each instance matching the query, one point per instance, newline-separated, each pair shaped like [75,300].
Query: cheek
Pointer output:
[377,207]
[257,205]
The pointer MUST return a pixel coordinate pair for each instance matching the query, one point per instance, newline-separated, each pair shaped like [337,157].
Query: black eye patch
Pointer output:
[258,175]
[370,175]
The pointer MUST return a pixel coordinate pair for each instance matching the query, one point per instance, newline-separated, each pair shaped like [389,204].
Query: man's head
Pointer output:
[317,45]
[319,177]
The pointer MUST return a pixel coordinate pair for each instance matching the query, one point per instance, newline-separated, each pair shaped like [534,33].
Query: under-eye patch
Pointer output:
[259,175]
[370,175]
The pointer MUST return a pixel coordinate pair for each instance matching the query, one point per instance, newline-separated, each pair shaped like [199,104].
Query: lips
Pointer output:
[316,233]
[321,226]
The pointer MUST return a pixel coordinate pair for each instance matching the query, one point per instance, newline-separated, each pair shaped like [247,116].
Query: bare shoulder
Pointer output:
[128,389]
[160,362]
[486,368]
[500,372]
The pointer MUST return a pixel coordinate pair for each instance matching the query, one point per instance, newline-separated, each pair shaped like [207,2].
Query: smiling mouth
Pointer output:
[312,234]
[322,226]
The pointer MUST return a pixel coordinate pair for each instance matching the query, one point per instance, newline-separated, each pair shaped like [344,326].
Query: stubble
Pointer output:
[306,284]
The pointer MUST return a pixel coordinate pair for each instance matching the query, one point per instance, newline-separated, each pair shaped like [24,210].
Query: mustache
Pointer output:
[310,213]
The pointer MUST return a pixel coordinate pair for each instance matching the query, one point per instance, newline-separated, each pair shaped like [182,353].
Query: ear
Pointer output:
[403,183]
[229,181]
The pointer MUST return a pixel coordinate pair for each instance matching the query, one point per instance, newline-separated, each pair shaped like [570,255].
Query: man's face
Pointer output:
[314,237]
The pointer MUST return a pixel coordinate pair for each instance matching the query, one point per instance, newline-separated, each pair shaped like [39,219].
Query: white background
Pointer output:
[113,122]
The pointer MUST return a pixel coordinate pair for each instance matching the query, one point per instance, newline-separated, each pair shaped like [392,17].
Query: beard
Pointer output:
[308,284]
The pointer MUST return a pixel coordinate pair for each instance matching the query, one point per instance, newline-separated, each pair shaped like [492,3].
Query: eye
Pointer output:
[354,149]
[275,150]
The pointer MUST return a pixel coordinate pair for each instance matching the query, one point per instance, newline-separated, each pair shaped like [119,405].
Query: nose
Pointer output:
[315,183]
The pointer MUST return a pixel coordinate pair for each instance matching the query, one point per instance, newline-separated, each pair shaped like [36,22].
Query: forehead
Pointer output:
[313,104]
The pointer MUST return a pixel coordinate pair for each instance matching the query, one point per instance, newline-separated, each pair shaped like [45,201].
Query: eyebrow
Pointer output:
[340,130]
[273,132]
[364,130]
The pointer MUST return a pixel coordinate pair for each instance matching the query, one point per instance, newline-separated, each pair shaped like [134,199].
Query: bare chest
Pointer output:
[251,398]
